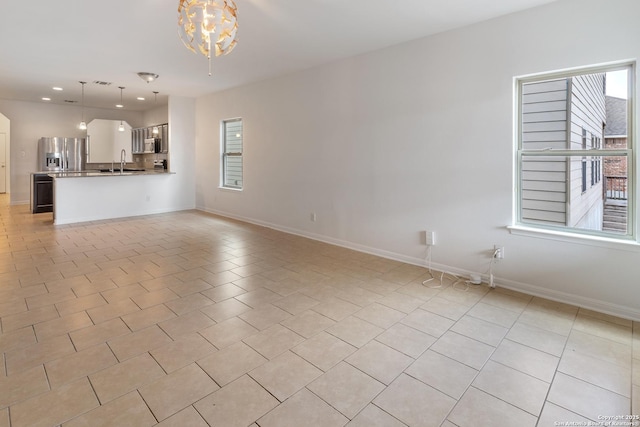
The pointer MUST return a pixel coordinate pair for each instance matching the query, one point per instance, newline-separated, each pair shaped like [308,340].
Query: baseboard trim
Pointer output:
[551,294]
[71,221]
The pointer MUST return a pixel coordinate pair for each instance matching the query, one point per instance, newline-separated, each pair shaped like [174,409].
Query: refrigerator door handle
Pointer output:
[63,155]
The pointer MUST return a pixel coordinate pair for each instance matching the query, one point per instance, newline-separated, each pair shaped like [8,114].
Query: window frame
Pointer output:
[225,154]
[583,162]
[567,231]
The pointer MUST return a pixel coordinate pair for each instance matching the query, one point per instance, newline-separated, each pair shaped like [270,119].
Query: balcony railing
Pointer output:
[615,187]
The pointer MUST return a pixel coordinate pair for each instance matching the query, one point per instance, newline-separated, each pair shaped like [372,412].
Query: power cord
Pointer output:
[494,258]
[428,260]
[456,279]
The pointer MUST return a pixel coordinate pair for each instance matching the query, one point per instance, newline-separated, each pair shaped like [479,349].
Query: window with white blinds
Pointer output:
[232,137]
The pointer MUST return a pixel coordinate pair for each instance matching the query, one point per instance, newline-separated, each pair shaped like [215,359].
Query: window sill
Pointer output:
[582,239]
[235,190]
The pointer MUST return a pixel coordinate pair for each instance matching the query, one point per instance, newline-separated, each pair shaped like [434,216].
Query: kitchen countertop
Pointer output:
[96,173]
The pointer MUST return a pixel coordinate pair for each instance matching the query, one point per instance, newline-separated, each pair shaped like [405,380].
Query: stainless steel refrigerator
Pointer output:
[57,154]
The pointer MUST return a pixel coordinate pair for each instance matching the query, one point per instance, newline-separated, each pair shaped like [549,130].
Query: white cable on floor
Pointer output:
[456,278]
[494,257]
[428,259]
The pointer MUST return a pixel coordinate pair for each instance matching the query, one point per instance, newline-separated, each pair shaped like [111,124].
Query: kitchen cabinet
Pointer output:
[144,141]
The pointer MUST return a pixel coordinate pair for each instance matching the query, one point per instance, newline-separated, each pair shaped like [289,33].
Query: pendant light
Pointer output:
[121,105]
[155,129]
[83,124]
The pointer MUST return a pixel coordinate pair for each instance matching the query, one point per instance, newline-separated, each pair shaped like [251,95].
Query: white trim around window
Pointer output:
[564,189]
[231,154]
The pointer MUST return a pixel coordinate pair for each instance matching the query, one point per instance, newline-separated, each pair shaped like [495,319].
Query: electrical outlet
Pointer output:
[313,217]
[498,251]
[430,238]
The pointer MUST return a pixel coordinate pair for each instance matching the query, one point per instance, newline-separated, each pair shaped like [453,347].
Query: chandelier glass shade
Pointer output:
[208,26]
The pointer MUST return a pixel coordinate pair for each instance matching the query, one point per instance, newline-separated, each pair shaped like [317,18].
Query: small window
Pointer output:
[563,119]
[232,137]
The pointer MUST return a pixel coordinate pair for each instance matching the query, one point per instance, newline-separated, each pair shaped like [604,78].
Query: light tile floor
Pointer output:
[188,319]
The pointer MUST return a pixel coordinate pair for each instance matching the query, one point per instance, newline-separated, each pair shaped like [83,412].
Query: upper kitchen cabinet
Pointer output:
[150,139]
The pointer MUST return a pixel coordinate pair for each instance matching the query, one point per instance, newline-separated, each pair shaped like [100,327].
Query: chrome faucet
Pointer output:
[123,154]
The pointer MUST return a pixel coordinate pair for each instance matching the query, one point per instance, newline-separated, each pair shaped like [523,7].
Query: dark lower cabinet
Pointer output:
[42,193]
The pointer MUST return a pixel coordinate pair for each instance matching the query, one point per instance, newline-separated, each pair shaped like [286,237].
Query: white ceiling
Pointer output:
[45,43]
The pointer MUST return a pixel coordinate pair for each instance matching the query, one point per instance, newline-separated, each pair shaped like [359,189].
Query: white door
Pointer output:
[3,162]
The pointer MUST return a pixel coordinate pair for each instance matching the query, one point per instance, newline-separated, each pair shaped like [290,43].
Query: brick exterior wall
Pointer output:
[615,166]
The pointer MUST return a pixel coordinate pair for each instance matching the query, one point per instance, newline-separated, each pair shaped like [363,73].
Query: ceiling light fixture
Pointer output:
[121,127]
[57,88]
[83,124]
[204,25]
[121,105]
[148,77]
[155,129]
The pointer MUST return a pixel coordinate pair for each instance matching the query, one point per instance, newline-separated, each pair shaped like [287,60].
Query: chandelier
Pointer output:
[208,25]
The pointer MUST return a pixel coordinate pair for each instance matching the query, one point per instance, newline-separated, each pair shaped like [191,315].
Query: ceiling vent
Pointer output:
[69,101]
[98,82]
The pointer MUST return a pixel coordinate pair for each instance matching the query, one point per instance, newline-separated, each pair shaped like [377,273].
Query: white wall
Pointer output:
[121,141]
[100,133]
[182,153]
[32,120]
[5,128]
[420,136]
[106,141]
[155,116]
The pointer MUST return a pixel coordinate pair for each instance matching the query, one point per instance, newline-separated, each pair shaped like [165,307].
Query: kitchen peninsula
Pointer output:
[91,195]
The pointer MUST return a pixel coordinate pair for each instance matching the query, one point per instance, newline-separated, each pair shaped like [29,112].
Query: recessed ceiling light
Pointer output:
[119,106]
[140,98]
[56,88]
[46,99]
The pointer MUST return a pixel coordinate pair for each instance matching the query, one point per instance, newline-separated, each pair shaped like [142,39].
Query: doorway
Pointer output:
[3,163]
